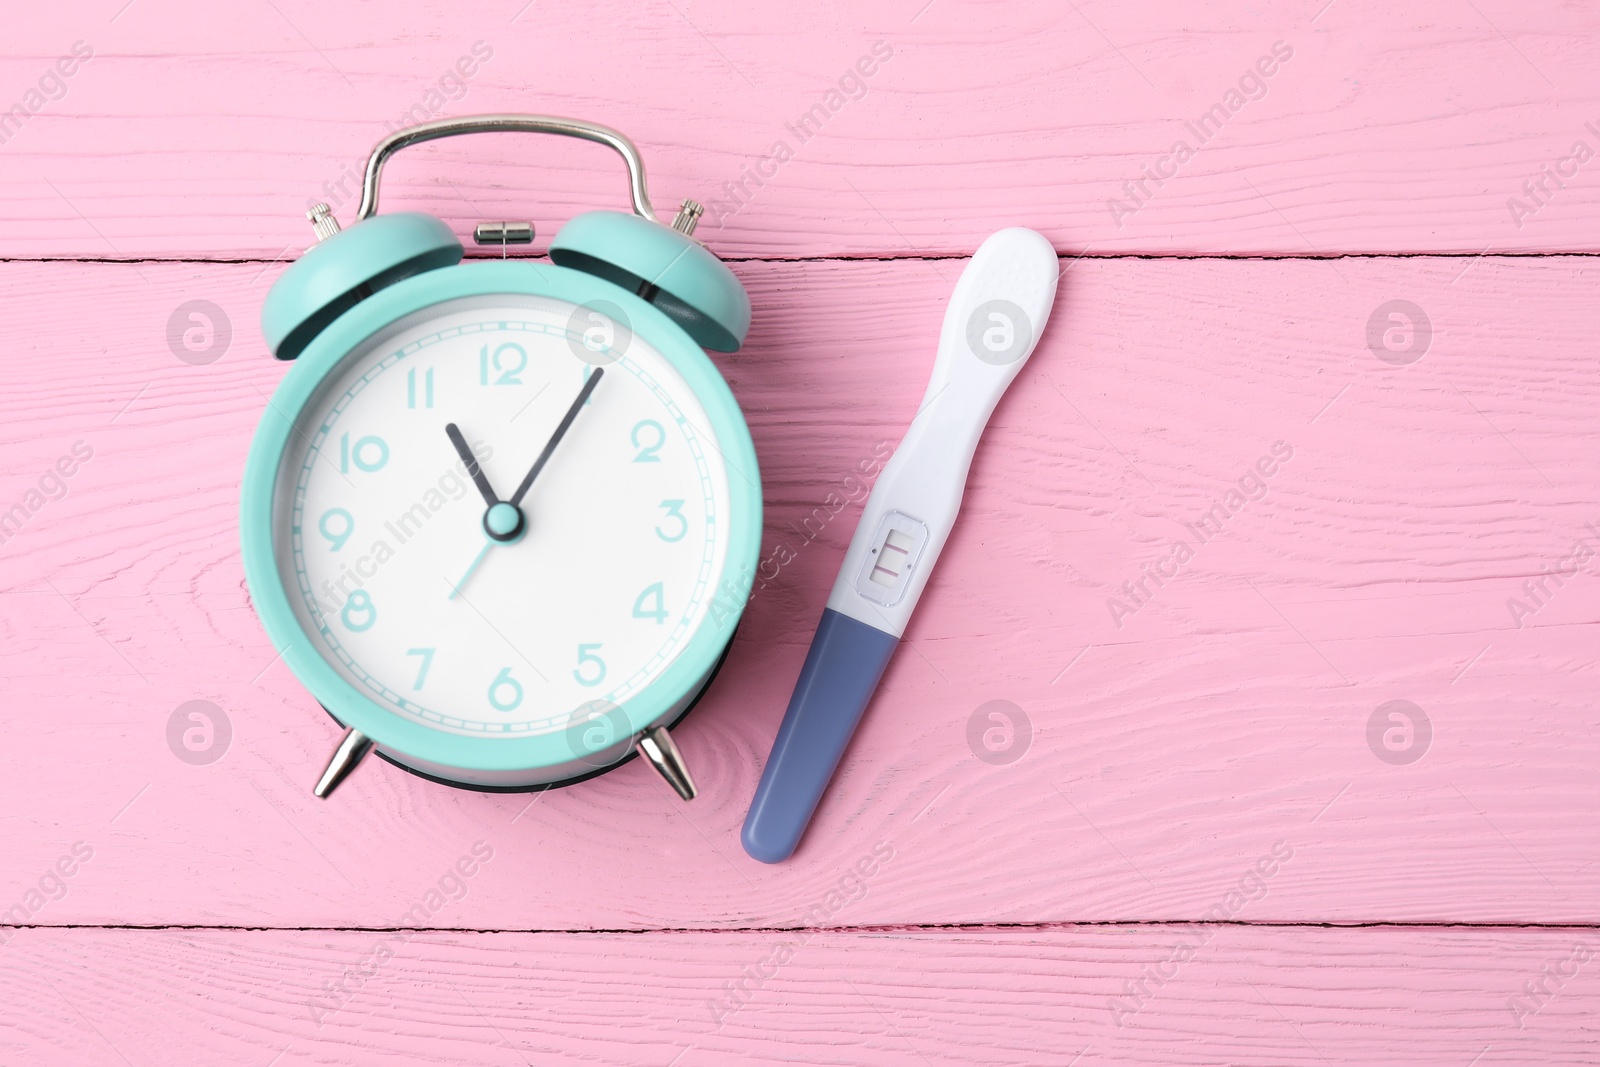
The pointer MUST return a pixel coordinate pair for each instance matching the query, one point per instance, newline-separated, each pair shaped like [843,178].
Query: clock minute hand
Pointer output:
[555,438]
[474,471]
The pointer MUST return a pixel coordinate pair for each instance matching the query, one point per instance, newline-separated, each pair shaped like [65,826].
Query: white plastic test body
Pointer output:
[913,506]
[991,325]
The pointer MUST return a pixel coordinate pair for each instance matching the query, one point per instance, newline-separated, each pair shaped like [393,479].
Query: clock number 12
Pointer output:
[509,361]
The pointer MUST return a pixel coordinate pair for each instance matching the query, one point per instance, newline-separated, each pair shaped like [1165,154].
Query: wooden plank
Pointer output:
[1147,995]
[1168,755]
[199,130]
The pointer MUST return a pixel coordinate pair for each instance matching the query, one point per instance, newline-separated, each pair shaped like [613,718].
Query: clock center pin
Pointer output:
[505,523]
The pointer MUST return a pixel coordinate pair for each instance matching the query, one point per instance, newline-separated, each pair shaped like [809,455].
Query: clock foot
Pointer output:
[351,749]
[656,745]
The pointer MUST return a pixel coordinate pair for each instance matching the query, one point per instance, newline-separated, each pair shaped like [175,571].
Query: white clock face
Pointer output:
[380,536]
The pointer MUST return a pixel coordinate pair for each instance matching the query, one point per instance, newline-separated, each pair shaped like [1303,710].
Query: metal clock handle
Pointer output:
[431,131]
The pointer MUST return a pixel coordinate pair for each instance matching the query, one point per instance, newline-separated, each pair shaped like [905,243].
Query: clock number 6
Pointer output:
[586,657]
[505,692]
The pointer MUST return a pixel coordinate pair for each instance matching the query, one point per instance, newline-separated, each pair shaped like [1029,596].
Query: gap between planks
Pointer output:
[874,928]
[912,257]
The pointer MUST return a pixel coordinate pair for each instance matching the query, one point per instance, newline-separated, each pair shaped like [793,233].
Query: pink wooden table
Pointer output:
[1192,847]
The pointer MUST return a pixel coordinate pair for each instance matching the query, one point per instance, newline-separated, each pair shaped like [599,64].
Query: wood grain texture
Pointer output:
[1169,754]
[1190,747]
[1247,996]
[201,130]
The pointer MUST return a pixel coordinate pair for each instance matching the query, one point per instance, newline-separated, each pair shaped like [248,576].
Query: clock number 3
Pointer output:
[674,510]
[591,670]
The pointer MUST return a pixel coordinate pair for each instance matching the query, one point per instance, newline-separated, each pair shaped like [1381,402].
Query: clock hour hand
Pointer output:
[555,438]
[474,471]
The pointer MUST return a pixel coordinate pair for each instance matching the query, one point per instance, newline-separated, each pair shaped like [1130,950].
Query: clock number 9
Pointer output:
[642,610]
[505,692]
[586,657]
[647,453]
[336,517]
[674,510]
[508,374]
[360,603]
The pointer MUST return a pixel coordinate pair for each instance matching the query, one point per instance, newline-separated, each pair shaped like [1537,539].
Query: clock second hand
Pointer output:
[488,543]
[495,504]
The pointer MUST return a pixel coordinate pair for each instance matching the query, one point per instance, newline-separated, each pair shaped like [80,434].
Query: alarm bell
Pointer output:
[659,263]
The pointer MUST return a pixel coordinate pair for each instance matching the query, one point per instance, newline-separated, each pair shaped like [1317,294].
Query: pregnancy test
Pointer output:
[991,325]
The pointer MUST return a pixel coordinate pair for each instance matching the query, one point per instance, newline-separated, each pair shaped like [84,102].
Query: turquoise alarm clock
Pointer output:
[501,517]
